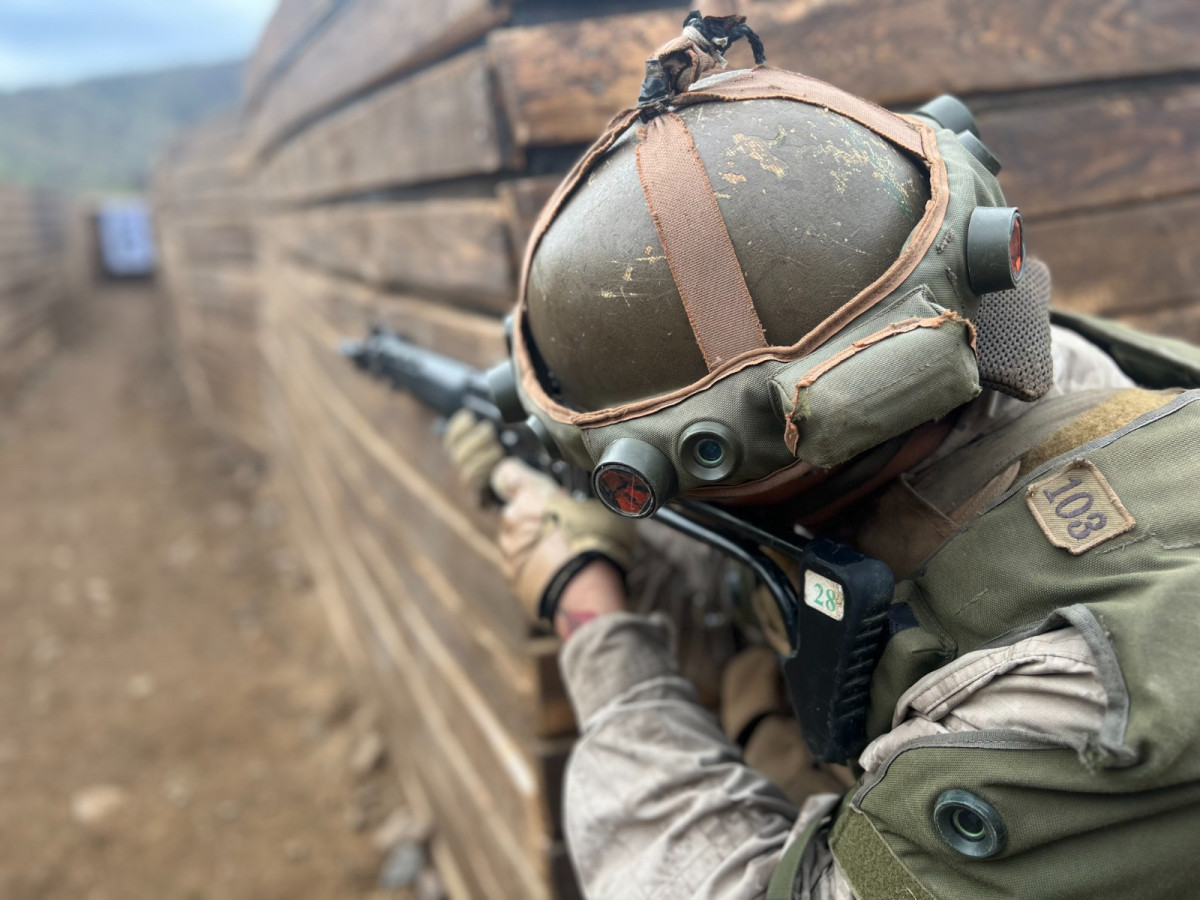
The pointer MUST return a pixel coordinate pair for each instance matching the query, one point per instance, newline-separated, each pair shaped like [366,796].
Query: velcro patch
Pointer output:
[1077,509]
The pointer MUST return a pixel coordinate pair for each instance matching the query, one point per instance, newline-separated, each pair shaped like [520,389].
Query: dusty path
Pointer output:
[173,720]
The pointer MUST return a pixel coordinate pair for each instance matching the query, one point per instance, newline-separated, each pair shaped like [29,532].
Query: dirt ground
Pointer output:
[174,721]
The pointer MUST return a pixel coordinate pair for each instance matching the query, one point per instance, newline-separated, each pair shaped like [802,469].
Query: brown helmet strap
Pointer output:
[759,83]
[696,242]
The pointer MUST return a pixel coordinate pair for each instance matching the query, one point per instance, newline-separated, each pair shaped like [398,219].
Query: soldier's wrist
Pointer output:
[597,589]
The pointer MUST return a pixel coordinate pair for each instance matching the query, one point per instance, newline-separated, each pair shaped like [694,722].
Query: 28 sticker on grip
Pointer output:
[1077,509]
[824,595]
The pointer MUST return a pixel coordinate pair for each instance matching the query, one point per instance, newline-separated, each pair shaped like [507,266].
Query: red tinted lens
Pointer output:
[624,491]
[1016,245]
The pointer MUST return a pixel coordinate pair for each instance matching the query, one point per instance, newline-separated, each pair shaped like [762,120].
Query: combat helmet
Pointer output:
[754,277]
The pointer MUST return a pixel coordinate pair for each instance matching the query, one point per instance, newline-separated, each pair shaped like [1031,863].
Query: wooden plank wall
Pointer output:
[387,164]
[33,280]
[376,175]
[201,202]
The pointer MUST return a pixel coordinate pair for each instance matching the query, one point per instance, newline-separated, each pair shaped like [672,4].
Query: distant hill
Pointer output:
[104,134]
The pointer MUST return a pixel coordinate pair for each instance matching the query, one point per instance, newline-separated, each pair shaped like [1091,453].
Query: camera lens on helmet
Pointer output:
[979,150]
[995,249]
[633,479]
[624,491]
[950,112]
[709,451]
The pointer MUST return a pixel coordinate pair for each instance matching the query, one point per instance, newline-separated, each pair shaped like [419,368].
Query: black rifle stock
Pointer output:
[829,682]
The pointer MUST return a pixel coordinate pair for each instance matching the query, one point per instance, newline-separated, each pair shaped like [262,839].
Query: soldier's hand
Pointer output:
[474,448]
[548,537]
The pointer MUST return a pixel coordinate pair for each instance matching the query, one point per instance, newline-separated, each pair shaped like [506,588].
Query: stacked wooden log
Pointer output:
[392,156]
[33,282]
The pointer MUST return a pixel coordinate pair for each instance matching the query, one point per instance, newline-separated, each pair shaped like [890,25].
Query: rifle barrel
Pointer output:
[440,382]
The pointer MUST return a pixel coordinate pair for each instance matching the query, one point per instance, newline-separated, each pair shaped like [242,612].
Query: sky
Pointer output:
[46,42]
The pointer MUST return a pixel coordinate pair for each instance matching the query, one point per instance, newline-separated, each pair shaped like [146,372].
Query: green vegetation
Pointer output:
[103,135]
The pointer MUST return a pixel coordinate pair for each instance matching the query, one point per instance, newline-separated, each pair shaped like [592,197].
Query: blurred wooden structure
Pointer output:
[33,279]
[387,164]
[201,200]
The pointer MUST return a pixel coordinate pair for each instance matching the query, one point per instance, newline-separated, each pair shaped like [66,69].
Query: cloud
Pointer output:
[60,41]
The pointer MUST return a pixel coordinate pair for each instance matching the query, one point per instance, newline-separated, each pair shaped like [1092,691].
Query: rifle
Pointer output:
[842,614]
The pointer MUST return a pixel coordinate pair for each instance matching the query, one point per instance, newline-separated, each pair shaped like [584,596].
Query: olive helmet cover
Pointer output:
[759,283]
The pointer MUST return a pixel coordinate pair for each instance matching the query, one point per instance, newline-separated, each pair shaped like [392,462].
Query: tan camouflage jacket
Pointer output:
[658,803]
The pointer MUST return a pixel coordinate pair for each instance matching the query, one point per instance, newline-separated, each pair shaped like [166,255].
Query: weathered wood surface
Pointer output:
[561,82]
[209,155]
[429,767]
[453,248]
[454,660]
[371,41]
[905,51]
[203,208]
[436,125]
[405,462]
[522,200]
[1074,150]
[292,22]
[1125,260]
[33,284]
[434,765]
[217,239]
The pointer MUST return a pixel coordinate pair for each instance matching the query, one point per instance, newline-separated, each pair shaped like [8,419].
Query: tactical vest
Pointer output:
[1104,537]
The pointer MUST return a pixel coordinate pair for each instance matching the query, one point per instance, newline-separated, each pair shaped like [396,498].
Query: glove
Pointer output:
[474,448]
[547,536]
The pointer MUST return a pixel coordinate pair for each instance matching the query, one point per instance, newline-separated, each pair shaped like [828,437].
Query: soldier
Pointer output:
[763,292]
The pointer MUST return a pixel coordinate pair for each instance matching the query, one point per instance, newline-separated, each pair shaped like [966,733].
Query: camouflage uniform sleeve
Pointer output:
[658,802]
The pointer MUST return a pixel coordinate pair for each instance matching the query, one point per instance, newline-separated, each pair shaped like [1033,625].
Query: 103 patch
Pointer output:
[1077,509]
